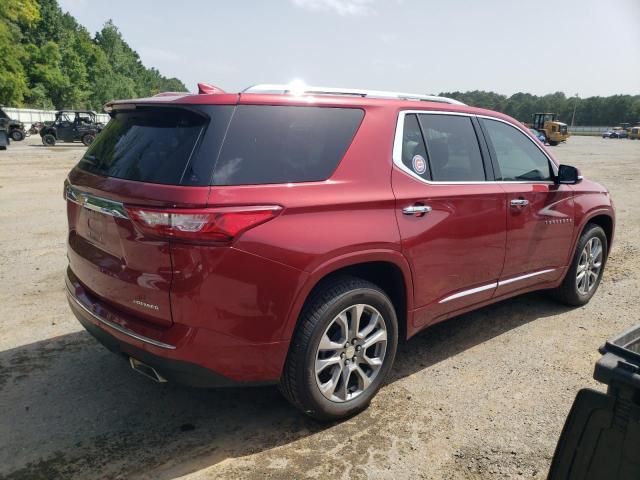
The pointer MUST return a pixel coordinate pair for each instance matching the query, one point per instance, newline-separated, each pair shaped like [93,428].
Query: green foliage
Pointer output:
[604,111]
[48,60]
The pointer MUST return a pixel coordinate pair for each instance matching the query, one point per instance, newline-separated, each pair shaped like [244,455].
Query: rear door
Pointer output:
[451,220]
[540,212]
[144,157]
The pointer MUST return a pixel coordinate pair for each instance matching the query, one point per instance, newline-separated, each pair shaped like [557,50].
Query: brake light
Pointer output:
[201,225]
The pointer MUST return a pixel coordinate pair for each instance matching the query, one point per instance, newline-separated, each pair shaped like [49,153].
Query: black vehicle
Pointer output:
[4,133]
[72,126]
[15,128]
[601,437]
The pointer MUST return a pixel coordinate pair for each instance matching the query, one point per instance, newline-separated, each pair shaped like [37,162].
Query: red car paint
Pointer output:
[232,308]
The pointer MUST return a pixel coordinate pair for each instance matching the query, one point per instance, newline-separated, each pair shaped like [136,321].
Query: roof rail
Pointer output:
[295,89]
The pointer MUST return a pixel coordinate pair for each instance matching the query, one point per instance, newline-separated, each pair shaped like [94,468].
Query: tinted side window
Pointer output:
[517,156]
[452,148]
[414,153]
[281,144]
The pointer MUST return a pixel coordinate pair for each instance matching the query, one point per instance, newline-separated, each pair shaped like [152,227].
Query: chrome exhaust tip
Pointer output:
[146,370]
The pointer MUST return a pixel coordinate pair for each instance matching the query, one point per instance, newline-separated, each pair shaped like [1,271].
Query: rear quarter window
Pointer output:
[284,144]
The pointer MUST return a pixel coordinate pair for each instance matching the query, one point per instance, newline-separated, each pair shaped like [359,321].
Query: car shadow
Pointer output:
[71,408]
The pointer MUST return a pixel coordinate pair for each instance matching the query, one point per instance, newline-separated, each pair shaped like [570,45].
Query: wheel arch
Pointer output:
[388,269]
[605,218]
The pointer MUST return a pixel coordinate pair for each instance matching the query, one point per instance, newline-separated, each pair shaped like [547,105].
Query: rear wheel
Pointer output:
[584,274]
[342,350]
[88,139]
[49,139]
[17,135]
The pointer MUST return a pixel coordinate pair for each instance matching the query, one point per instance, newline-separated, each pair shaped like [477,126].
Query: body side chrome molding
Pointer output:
[95,203]
[397,149]
[498,284]
[115,326]
[524,277]
[471,291]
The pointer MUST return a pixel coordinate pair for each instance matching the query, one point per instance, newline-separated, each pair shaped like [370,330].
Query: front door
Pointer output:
[539,212]
[452,221]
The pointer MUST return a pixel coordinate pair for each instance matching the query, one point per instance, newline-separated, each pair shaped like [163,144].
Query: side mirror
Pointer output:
[568,175]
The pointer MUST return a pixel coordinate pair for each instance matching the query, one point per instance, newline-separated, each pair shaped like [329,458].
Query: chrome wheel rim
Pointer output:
[350,353]
[589,266]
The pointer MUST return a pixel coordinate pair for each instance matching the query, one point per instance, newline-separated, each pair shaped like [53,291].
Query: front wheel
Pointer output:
[553,143]
[49,140]
[342,350]
[584,274]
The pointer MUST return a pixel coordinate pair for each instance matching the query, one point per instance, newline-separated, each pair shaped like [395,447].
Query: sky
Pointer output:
[583,47]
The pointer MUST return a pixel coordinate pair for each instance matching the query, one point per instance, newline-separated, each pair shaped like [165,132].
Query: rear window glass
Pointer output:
[282,144]
[147,145]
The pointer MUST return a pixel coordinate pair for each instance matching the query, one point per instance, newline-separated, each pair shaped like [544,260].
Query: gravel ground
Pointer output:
[484,395]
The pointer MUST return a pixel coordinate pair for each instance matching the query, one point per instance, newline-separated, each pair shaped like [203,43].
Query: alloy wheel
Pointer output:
[589,266]
[350,353]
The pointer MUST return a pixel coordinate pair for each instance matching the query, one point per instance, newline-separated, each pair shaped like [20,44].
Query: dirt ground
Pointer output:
[484,395]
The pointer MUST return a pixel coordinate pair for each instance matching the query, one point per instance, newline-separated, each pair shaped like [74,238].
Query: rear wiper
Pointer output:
[92,159]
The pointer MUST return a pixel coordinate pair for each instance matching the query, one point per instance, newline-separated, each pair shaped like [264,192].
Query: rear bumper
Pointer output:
[190,356]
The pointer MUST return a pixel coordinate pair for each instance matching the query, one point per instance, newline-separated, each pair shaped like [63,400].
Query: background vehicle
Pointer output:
[615,134]
[554,131]
[634,133]
[212,240]
[15,128]
[540,136]
[72,126]
[600,436]
[35,128]
[4,133]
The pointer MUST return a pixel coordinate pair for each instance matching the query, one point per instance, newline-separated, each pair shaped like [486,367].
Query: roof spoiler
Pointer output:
[205,88]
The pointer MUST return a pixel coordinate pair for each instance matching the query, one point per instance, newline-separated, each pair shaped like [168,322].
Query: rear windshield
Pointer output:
[145,145]
[223,145]
[282,144]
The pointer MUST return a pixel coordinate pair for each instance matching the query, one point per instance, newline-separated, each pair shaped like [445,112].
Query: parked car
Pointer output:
[71,126]
[293,238]
[634,133]
[15,128]
[538,135]
[615,134]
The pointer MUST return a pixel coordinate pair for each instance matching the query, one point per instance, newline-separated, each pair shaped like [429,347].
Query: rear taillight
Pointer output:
[201,225]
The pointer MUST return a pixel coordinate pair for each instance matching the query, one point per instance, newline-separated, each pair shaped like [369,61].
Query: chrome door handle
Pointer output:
[416,209]
[519,202]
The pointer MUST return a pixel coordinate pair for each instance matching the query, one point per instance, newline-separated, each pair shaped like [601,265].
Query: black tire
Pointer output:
[553,143]
[568,292]
[49,140]
[17,135]
[88,139]
[298,383]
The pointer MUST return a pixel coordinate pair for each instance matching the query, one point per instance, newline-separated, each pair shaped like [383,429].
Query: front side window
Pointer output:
[518,158]
[452,148]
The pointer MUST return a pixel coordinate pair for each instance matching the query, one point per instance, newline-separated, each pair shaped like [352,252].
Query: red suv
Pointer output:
[293,237]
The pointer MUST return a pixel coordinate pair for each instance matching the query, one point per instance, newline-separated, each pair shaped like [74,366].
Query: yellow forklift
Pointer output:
[553,130]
